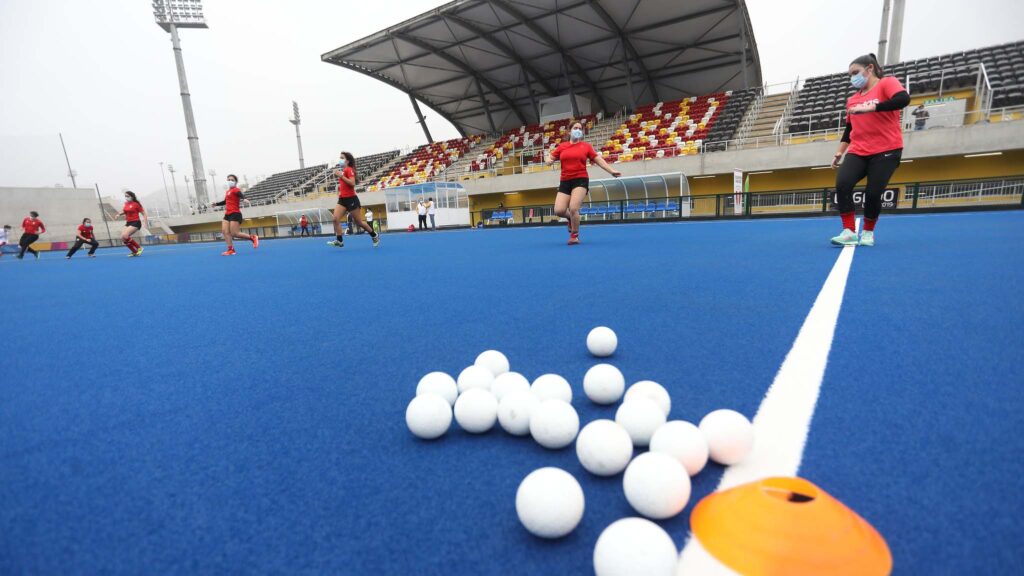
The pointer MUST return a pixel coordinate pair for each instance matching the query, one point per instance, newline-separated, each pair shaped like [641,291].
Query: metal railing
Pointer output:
[901,197]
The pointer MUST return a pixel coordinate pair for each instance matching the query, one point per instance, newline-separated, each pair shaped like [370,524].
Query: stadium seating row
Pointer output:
[1004,65]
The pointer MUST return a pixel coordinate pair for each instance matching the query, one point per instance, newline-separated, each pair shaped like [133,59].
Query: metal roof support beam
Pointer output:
[627,48]
[487,109]
[465,68]
[420,119]
[527,68]
[554,45]
[743,44]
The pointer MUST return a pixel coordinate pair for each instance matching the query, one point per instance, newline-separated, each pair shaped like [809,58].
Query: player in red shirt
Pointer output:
[873,144]
[304,223]
[575,182]
[84,235]
[232,224]
[32,227]
[348,202]
[134,215]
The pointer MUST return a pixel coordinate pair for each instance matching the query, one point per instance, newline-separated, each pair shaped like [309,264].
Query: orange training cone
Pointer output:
[787,526]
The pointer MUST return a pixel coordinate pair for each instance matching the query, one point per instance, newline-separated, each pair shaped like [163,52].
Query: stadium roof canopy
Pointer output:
[484,64]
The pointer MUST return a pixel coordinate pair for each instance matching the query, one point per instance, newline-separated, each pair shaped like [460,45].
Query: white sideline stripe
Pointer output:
[783,420]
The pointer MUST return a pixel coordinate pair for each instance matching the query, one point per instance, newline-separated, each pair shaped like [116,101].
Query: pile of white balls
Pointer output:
[550,501]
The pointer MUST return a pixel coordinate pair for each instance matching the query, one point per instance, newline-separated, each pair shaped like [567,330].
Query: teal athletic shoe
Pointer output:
[867,238]
[336,244]
[846,238]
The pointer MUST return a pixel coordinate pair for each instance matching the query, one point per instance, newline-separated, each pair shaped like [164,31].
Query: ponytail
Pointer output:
[870,60]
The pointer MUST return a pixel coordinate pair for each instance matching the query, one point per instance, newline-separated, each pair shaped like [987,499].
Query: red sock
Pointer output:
[850,220]
[135,245]
[869,224]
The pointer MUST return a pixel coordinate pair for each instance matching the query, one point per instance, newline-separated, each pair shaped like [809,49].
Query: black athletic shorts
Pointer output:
[351,203]
[567,186]
[234,217]
[134,224]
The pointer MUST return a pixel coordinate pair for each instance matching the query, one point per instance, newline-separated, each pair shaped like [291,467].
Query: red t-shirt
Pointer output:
[875,132]
[33,226]
[131,211]
[344,190]
[574,158]
[303,222]
[232,200]
[85,231]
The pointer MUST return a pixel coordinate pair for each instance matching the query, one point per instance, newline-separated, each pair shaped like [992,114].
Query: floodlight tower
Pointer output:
[171,15]
[296,120]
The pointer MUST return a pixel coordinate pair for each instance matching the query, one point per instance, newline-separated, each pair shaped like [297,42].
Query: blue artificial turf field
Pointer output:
[183,412]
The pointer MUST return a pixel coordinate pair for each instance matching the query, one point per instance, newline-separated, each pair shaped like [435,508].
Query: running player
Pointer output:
[232,224]
[574,184]
[84,235]
[134,215]
[348,202]
[873,144]
[32,227]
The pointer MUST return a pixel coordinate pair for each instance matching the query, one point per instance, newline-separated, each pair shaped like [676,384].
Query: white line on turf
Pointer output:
[783,420]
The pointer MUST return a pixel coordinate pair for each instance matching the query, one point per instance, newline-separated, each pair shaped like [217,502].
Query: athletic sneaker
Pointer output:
[846,238]
[37,255]
[139,253]
[376,240]
[867,238]
[574,239]
[67,257]
[91,255]
[229,252]
[255,241]
[336,244]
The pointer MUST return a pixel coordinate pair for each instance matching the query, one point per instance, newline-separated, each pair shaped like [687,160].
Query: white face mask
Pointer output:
[127,198]
[576,134]
[342,163]
[232,183]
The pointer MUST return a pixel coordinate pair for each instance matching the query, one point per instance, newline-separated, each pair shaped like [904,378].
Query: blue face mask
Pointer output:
[576,134]
[858,81]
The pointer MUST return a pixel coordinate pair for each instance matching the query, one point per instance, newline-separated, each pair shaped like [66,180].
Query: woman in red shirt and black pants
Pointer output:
[575,182]
[873,144]
[348,202]
[84,235]
[231,226]
[134,214]
[33,227]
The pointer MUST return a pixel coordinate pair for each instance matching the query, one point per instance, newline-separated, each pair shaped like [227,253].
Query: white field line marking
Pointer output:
[783,420]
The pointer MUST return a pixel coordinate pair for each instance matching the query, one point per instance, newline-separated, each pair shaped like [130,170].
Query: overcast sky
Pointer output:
[102,73]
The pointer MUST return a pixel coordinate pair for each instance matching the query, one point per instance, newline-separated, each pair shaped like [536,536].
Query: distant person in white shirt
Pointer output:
[369,219]
[421,211]
[431,211]
[4,235]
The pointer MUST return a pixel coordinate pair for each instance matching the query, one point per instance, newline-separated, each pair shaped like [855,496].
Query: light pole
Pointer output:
[296,120]
[170,168]
[166,193]
[172,15]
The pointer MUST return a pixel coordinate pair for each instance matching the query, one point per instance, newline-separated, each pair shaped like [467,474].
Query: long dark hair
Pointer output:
[350,160]
[134,198]
[870,60]
[34,214]
[84,219]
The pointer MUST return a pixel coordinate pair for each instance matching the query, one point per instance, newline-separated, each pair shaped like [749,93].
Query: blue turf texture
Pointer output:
[183,412]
